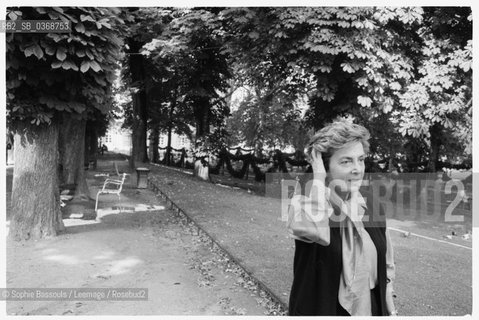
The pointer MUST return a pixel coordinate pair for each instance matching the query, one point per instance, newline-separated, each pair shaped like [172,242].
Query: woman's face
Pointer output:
[346,167]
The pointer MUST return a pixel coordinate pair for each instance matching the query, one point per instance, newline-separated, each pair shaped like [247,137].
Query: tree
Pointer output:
[209,72]
[139,103]
[261,121]
[166,95]
[196,71]
[51,77]
[410,64]
[437,101]
[139,74]
[337,56]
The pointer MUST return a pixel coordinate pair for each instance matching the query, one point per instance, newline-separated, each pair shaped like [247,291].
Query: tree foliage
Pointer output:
[273,122]
[405,70]
[62,72]
[194,71]
[441,91]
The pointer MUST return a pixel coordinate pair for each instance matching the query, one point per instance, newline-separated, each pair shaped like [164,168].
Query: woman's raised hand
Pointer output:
[318,189]
[318,165]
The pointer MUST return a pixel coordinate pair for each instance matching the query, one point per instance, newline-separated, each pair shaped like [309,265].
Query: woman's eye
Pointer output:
[345,161]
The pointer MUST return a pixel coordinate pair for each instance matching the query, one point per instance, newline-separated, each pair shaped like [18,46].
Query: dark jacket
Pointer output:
[317,268]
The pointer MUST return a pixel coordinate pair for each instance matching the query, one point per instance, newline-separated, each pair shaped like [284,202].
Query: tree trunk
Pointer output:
[72,150]
[140,113]
[258,147]
[201,111]
[392,154]
[435,132]
[154,144]
[86,150]
[168,145]
[91,149]
[170,126]
[139,127]
[35,196]
[202,117]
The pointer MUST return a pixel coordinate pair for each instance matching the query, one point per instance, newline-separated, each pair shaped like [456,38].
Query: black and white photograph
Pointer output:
[238,159]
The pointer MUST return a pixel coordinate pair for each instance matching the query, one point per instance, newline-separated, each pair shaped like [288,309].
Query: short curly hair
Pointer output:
[335,136]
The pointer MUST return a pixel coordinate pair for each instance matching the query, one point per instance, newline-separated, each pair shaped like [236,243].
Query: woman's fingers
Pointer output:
[318,165]
[390,301]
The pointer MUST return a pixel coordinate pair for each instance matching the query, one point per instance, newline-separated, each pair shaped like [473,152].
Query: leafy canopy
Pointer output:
[53,73]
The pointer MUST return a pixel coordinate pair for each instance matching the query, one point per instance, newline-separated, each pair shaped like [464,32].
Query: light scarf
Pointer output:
[352,232]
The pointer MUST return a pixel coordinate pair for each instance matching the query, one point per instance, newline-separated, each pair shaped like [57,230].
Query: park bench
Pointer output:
[112,186]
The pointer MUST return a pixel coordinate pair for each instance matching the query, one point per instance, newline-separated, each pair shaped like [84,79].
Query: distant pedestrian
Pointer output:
[343,262]
[103,149]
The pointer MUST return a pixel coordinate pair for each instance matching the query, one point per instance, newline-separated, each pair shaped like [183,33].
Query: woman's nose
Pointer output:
[357,168]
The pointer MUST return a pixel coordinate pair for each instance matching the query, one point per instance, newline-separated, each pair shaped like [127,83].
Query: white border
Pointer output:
[183,3]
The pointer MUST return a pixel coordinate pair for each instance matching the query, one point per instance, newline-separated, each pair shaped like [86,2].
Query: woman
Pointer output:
[343,263]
